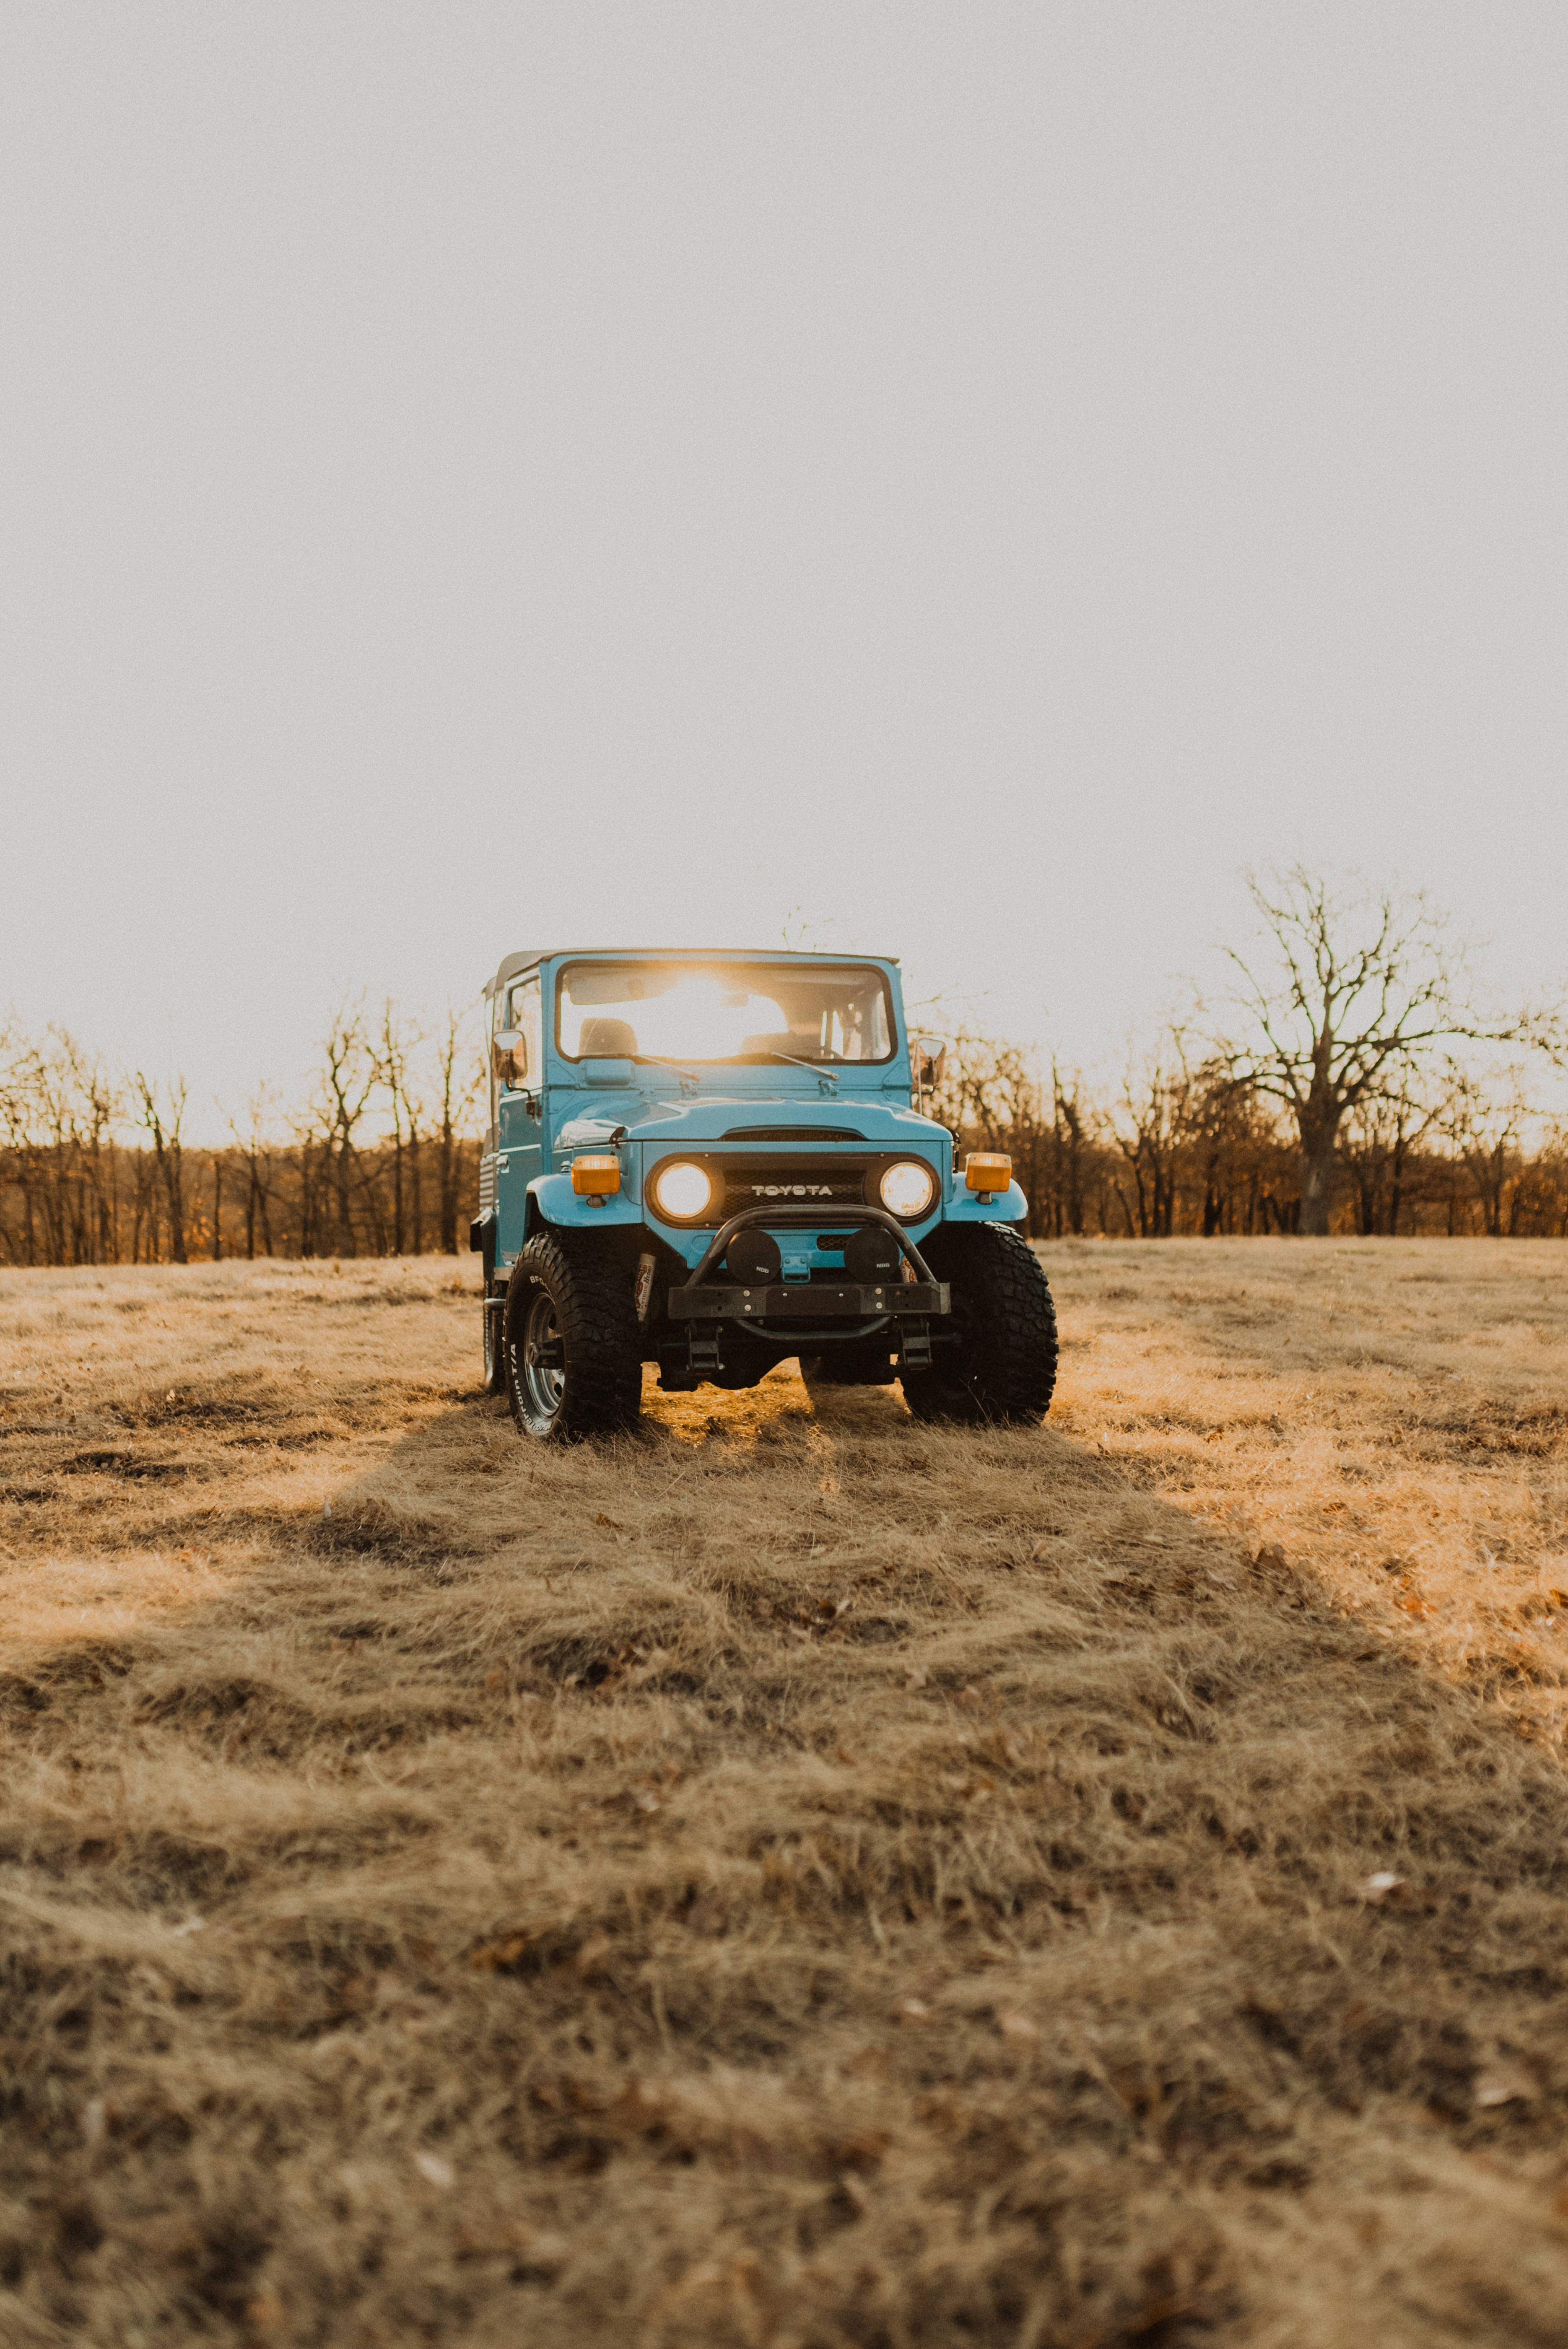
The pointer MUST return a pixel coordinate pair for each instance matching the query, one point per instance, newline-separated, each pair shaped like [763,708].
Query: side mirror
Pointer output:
[930,1054]
[509,1055]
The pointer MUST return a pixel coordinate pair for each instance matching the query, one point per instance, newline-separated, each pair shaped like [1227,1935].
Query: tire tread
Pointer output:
[598,1319]
[1010,1348]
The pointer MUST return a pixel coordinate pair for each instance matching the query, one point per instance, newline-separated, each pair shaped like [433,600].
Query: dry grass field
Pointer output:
[795,1879]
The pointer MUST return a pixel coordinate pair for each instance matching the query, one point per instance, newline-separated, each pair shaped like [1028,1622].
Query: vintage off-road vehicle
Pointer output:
[713,1162]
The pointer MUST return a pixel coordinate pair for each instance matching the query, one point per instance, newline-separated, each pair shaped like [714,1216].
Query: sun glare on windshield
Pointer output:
[741,1011]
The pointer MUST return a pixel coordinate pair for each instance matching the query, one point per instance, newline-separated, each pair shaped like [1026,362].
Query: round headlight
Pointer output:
[681,1190]
[908,1189]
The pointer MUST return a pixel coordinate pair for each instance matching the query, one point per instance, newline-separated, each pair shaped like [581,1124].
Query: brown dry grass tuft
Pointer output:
[791,1879]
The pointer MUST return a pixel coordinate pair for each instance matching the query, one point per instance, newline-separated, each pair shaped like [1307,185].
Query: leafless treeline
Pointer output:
[1351,1080]
[95,1166]
[1177,1148]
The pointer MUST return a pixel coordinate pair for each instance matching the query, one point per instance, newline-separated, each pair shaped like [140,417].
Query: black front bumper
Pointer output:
[713,1313]
[914,1300]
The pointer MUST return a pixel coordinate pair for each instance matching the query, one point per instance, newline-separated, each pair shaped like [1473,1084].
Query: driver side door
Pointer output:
[520,1119]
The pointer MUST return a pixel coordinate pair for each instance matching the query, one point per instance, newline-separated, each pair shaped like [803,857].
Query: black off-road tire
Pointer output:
[572,1296]
[1004,1366]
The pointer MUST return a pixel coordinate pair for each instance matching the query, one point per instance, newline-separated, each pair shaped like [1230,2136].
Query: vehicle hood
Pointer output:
[752,1121]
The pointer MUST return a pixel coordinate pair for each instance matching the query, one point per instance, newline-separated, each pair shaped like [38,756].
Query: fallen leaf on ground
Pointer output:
[1381,1887]
[1503,2083]
[912,2010]
[439,2172]
[504,1952]
[1017,2026]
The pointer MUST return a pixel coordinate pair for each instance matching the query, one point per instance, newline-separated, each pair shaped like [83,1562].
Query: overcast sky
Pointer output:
[483,476]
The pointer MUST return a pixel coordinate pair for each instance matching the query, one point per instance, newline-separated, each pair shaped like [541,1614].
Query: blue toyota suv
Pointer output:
[713,1162]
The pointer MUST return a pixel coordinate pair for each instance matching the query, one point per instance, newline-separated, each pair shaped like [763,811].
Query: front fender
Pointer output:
[552,1200]
[1009,1207]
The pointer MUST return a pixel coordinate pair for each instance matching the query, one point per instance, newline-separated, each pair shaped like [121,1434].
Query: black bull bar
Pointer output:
[872,1304]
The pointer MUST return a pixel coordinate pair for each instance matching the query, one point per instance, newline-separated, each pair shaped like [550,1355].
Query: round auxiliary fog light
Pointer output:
[908,1189]
[681,1190]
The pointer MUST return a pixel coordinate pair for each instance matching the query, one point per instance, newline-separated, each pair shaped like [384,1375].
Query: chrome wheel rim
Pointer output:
[543,1384]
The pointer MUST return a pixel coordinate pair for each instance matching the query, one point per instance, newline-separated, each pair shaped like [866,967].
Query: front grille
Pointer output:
[829,1184]
[826,1183]
[792,1133]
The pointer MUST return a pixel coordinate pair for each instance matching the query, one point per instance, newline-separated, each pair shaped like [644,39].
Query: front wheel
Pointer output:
[573,1356]
[1004,1366]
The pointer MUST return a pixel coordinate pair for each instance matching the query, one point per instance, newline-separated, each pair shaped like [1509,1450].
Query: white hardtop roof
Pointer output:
[515,965]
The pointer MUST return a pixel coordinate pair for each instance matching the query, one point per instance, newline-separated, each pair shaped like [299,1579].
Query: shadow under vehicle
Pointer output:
[713,1162]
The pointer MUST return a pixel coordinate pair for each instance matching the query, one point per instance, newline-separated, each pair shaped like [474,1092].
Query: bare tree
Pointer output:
[1071,1120]
[162,1111]
[89,1106]
[1151,1133]
[24,1124]
[58,1108]
[1342,1001]
[993,1097]
[256,1152]
[347,1080]
[396,1040]
[458,1080]
[1379,1143]
[1549,1173]
[330,1177]
[1486,1126]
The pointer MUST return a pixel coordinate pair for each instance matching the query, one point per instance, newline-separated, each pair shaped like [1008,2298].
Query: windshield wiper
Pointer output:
[826,1077]
[823,1074]
[658,1061]
[817,1068]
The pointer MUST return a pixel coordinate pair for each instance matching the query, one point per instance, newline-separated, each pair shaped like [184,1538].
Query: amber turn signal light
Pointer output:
[988,1169]
[594,1175]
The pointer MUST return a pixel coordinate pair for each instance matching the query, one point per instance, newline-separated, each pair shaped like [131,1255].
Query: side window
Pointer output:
[523,1014]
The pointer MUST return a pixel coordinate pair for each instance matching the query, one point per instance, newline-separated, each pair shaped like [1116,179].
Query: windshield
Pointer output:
[753,1011]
